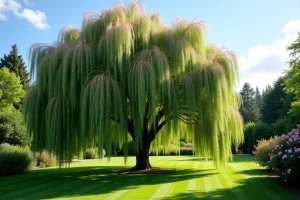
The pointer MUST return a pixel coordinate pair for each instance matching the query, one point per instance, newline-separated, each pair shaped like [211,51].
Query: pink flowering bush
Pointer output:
[186,151]
[263,150]
[285,156]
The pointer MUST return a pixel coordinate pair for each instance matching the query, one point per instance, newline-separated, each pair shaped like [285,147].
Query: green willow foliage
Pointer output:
[124,75]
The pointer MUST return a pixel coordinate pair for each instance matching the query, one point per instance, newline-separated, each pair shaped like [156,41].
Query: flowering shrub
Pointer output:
[263,151]
[285,156]
[43,159]
[186,151]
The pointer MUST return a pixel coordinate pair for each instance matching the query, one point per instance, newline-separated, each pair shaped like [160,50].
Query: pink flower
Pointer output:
[291,140]
[284,157]
[289,171]
[279,153]
[290,151]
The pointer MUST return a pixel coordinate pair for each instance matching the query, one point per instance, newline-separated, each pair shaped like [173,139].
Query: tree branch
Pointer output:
[130,126]
[131,129]
[184,120]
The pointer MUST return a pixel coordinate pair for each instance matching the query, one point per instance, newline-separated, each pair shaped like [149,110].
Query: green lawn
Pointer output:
[194,179]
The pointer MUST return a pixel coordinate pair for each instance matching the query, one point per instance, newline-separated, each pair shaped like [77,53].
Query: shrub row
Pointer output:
[93,153]
[254,132]
[14,159]
[282,155]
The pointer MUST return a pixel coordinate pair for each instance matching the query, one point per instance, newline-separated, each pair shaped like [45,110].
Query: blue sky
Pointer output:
[258,31]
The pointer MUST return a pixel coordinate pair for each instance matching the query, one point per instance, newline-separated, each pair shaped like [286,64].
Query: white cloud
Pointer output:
[37,18]
[7,6]
[265,63]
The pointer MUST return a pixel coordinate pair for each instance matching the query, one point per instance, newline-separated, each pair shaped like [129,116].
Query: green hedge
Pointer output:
[92,153]
[14,159]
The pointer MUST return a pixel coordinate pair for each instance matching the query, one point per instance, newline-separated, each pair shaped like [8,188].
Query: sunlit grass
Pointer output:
[194,178]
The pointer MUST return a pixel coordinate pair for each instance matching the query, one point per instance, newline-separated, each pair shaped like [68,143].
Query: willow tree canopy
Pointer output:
[127,76]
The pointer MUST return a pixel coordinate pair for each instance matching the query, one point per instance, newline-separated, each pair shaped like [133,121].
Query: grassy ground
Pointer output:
[194,179]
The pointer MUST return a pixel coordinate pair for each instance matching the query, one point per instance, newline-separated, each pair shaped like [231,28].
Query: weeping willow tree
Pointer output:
[126,76]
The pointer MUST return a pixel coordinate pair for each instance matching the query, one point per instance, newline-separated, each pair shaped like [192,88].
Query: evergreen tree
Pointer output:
[14,63]
[276,102]
[129,75]
[258,98]
[249,108]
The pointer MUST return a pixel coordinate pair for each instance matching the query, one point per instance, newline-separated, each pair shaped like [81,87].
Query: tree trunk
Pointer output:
[142,156]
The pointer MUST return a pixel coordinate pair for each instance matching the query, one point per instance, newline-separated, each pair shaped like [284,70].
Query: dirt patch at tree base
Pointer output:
[153,170]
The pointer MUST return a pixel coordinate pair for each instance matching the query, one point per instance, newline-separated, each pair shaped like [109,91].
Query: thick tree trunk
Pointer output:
[142,156]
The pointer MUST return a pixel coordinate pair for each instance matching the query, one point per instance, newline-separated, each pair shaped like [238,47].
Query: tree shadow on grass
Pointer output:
[84,181]
[259,186]
[242,158]
[236,158]
[96,180]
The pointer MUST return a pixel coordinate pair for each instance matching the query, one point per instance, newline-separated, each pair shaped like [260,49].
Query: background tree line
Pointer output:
[277,109]
[14,82]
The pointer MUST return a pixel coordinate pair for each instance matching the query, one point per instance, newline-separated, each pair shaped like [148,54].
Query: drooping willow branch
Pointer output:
[125,72]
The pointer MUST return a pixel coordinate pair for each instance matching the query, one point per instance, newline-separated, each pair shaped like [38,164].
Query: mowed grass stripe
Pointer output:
[228,187]
[118,194]
[102,187]
[134,188]
[200,184]
[139,190]
[188,173]
[251,185]
[162,191]
[73,188]
[153,190]
[192,184]
[90,179]
[231,184]
[68,189]
[28,189]
[261,184]
[212,183]
[167,189]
